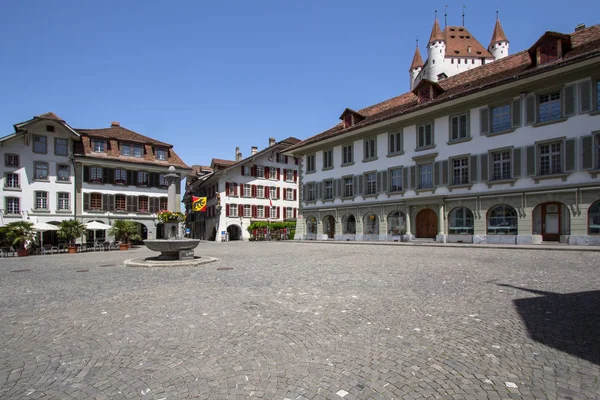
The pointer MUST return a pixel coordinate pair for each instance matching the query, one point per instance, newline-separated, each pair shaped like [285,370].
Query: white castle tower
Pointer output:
[415,68]
[436,52]
[499,43]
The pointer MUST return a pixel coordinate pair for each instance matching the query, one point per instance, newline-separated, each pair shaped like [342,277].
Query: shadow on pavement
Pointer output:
[567,322]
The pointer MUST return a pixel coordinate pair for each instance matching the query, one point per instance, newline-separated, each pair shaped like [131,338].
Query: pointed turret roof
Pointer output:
[498,35]
[436,32]
[417,61]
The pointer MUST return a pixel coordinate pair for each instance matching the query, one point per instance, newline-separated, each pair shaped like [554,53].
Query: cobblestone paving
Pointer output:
[303,321]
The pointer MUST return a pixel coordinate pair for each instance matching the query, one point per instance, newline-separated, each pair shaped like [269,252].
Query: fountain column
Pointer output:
[172,230]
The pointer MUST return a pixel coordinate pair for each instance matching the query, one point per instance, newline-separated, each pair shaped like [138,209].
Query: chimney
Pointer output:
[238,154]
[115,123]
[254,150]
[579,27]
[271,141]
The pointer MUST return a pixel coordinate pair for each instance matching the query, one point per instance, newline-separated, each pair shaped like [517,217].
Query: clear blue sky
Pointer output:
[207,76]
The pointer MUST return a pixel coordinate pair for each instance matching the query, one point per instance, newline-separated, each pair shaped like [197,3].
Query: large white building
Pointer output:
[261,187]
[505,152]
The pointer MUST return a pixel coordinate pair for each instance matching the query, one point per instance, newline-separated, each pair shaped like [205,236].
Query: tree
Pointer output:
[70,229]
[18,232]
[124,230]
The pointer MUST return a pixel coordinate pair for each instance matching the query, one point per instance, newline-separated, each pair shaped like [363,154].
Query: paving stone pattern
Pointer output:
[303,321]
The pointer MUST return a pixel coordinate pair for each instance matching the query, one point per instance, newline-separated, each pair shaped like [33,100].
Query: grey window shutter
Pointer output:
[437,170]
[473,166]
[445,173]
[401,141]
[585,96]
[484,119]
[86,173]
[405,183]
[104,202]
[530,154]
[340,189]
[355,185]
[379,181]
[413,177]
[530,109]
[516,113]
[86,201]
[384,181]
[569,100]
[483,167]
[361,178]
[320,190]
[304,192]
[587,152]
[570,161]
[517,163]
[111,202]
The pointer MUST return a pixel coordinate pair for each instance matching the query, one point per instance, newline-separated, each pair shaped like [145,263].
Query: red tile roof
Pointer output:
[219,161]
[50,115]
[417,60]
[585,44]
[124,134]
[460,43]
[498,34]
[436,32]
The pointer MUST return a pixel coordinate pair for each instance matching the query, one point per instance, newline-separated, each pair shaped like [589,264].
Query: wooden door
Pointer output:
[427,224]
[551,221]
[331,231]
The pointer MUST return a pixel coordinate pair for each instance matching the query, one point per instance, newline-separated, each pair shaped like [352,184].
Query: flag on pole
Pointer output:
[199,203]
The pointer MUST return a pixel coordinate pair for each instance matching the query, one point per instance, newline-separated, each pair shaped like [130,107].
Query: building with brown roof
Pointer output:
[504,152]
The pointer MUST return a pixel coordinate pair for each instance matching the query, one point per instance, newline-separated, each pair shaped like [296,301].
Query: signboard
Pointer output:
[186,254]
[187,231]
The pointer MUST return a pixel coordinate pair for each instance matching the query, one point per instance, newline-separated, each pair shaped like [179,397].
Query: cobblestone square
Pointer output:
[303,321]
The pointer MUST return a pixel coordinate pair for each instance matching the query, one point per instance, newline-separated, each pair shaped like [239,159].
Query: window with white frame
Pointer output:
[260,211]
[273,192]
[395,143]
[311,192]
[61,147]
[327,159]
[161,154]
[273,212]
[348,186]
[347,154]
[98,146]
[96,174]
[231,189]
[396,180]
[11,160]
[549,108]
[328,190]
[370,183]
[40,144]
[289,212]
[247,190]
[426,176]
[138,150]
[12,205]
[459,127]
[162,180]
[260,192]
[460,171]
[272,173]
[142,178]
[247,210]
[233,210]
[500,118]
[260,171]
[289,194]
[289,175]
[280,158]
[310,163]
[246,170]
[501,165]
[424,135]
[41,171]
[63,173]
[502,220]
[12,181]
[370,149]
[163,203]
[41,200]
[461,222]
[63,202]
[550,158]
[120,177]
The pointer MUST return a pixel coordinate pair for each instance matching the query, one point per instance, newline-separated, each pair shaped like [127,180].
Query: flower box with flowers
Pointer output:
[170,216]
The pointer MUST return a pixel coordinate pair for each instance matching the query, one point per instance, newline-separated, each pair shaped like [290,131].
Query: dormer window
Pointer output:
[550,47]
[548,52]
[132,150]
[347,120]
[98,146]
[350,118]
[425,93]
[49,128]
[161,154]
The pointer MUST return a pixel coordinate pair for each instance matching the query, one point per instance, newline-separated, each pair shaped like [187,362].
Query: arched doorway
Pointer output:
[551,220]
[396,223]
[234,232]
[370,224]
[427,224]
[348,224]
[329,226]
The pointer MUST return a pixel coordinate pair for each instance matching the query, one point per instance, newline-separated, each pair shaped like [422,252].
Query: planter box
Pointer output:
[72,249]
[22,253]
[124,246]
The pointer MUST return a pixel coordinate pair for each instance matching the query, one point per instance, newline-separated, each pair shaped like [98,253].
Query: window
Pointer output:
[594,219]
[233,210]
[395,143]
[501,165]
[289,194]
[598,95]
[502,220]
[260,171]
[311,225]
[598,150]
[460,171]
[328,195]
[310,163]
[41,171]
[247,190]
[247,210]
[163,203]
[120,203]
[40,144]
[550,159]
[424,136]
[138,150]
[161,154]
[12,205]
[95,201]
[126,149]
[63,202]
[143,204]
[163,181]
[371,183]
[348,187]
[98,146]
[231,189]
[12,181]
[289,213]
[348,224]
[549,107]
[260,192]
[311,192]
[396,223]
[41,200]
[246,170]
[426,176]
[459,127]
[347,154]
[461,222]
[281,158]
[260,211]
[273,173]
[371,224]
[120,177]
[11,160]
[142,178]
[289,175]
[273,192]
[49,128]
[327,159]
[96,174]
[273,212]
[63,173]
[61,147]
[501,118]
[370,149]
[396,180]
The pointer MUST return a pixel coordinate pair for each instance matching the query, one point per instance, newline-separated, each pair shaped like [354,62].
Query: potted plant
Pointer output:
[18,233]
[71,229]
[124,230]
[170,216]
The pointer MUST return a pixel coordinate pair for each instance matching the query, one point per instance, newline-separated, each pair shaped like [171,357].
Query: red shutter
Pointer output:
[295,212]
[295,195]
[278,173]
[286,159]
[278,212]
[295,176]
[278,193]
[226,188]
[253,211]
[267,211]
[253,171]
[267,192]
[254,191]
[242,170]
[235,189]
[284,174]
[240,210]
[227,210]
[267,172]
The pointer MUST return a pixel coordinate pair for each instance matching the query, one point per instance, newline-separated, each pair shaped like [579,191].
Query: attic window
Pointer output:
[453,36]
[548,51]
[451,29]
[49,128]
[456,52]
[462,37]
[468,37]
[460,29]
[478,52]
[442,76]
[347,120]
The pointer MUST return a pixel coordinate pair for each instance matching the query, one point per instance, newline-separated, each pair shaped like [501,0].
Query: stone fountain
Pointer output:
[175,250]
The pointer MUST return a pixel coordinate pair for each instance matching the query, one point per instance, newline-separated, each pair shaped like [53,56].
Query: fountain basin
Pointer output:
[169,248]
